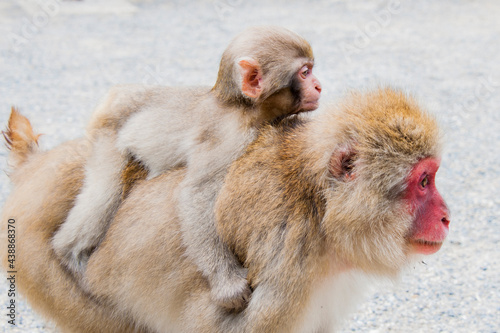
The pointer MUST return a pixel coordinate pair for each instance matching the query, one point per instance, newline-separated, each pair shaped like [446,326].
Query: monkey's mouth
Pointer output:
[425,247]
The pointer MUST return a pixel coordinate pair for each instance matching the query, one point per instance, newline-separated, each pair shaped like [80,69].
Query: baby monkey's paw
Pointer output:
[231,291]
[73,254]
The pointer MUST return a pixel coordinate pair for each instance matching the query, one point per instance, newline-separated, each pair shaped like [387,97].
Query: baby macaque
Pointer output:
[265,73]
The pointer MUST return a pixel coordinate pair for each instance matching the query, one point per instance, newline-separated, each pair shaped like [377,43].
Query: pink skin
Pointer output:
[431,223]
[251,78]
[311,88]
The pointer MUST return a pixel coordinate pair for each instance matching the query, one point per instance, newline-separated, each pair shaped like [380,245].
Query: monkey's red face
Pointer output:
[430,226]
[310,88]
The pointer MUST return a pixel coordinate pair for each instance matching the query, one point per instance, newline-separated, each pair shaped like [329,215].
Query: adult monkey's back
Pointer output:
[45,186]
[312,205]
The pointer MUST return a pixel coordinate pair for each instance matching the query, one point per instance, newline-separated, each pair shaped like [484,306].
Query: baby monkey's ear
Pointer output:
[251,77]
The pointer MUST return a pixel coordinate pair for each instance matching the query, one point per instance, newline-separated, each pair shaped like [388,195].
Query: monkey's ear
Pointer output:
[251,77]
[342,162]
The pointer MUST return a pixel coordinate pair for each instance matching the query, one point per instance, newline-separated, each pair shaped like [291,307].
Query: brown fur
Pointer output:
[20,138]
[53,178]
[290,163]
[293,224]
[133,172]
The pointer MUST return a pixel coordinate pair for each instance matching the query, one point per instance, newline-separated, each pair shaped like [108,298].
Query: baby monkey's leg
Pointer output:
[94,207]
[215,260]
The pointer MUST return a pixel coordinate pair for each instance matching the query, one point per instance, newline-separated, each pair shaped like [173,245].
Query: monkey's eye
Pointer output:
[305,72]
[424,181]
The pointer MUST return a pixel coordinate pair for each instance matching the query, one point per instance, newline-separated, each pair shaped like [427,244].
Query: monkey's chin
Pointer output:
[310,106]
[425,247]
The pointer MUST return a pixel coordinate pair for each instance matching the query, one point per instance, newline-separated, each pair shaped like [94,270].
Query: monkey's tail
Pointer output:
[20,139]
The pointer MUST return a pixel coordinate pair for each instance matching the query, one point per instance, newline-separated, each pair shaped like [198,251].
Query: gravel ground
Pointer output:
[58,58]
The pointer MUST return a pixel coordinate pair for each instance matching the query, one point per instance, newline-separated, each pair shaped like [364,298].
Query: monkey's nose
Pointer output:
[318,86]
[446,218]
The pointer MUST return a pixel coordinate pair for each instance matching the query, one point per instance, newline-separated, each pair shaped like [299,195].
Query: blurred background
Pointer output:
[58,58]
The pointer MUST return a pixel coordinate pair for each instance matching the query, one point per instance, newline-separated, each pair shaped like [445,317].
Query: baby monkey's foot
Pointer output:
[230,289]
[73,255]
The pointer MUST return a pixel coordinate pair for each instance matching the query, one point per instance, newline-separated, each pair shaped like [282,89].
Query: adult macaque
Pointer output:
[265,73]
[311,208]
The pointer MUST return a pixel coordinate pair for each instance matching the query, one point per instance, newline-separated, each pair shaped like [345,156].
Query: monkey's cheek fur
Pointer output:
[425,247]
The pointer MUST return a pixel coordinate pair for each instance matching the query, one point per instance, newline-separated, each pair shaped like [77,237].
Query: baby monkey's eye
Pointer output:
[306,70]
[424,182]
